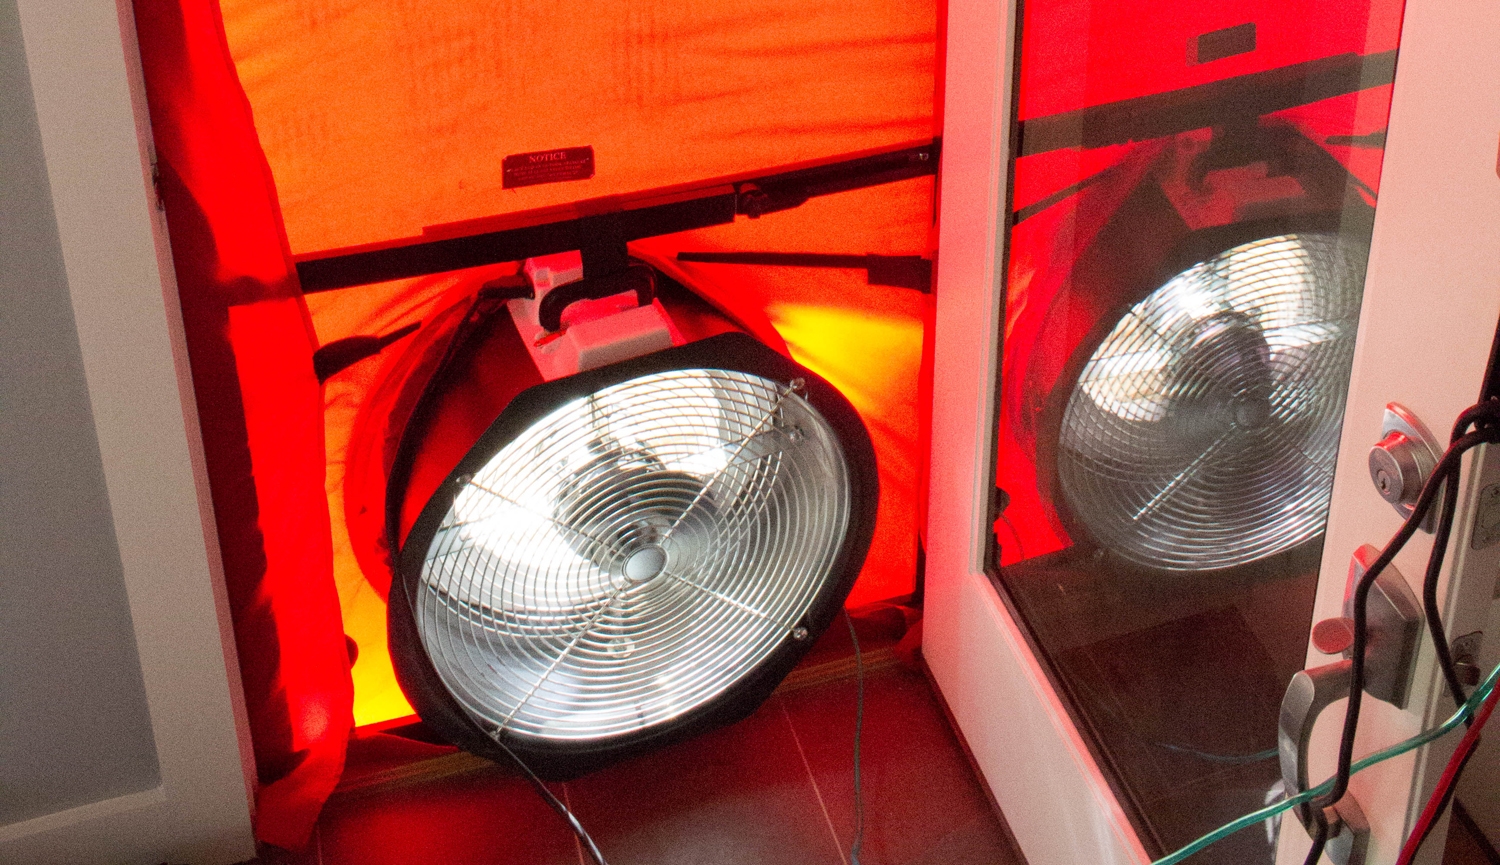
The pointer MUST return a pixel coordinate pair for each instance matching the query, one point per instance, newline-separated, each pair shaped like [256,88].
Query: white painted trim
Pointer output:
[1054,796]
[83,63]
[1431,306]
[1431,301]
[83,814]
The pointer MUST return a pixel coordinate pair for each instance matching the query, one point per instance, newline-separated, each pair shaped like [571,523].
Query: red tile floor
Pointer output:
[775,788]
[1466,845]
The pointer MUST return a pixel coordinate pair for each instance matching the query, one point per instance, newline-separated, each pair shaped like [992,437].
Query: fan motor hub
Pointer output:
[1251,412]
[645,564]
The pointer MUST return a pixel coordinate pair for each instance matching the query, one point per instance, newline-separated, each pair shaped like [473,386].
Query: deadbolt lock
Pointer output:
[1403,460]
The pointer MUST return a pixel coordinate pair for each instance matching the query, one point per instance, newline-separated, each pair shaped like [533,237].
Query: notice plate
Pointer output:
[548,166]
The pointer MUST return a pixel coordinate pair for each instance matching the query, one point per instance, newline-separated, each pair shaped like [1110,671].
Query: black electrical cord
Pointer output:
[556,804]
[1446,466]
[1320,840]
[1441,535]
[1445,476]
[1486,411]
[859,723]
[1486,416]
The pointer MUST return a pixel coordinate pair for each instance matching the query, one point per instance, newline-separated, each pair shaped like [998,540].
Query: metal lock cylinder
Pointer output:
[1403,460]
[1399,466]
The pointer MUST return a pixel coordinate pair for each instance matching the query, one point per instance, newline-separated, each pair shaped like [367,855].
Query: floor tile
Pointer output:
[1184,707]
[740,795]
[978,842]
[476,817]
[774,789]
[922,800]
[1466,844]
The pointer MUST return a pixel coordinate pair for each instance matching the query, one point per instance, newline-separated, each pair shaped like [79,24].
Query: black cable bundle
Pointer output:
[1484,418]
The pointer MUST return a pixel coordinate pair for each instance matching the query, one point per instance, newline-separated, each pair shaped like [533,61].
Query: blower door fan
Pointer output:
[634,554]
[1202,431]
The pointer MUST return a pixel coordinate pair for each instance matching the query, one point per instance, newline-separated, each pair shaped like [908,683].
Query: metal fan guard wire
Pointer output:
[1202,432]
[633,554]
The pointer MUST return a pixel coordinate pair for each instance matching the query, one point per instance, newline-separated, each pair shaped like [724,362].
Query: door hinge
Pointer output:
[161,205]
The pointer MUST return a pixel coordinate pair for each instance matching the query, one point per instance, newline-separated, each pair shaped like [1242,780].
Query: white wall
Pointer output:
[122,728]
[74,726]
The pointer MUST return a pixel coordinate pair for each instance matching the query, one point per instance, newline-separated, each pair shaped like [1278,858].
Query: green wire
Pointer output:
[1417,741]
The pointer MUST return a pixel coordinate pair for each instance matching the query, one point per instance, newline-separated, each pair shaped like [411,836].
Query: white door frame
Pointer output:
[85,75]
[1439,181]
[1055,798]
[1437,237]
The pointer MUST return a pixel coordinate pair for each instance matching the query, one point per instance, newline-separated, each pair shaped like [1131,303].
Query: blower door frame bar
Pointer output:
[662,212]
[718,202]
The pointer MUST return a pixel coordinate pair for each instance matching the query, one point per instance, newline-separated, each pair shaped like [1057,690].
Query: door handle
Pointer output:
[1308,694]
[1392,629]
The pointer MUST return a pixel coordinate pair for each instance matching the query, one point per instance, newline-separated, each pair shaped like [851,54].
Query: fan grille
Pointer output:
[634,553]
[1202,432]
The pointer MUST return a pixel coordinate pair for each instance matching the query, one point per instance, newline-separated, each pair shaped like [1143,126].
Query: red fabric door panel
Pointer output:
[250,344]
[382,118]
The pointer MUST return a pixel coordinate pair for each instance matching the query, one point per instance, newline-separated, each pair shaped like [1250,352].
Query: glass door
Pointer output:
[1161,284]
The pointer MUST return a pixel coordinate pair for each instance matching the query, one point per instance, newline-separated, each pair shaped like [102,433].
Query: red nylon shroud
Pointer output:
[250,343]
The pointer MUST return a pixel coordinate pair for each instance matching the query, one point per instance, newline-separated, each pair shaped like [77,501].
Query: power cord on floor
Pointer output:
[859,804]
[1445,477]
[859,723]
[557,805]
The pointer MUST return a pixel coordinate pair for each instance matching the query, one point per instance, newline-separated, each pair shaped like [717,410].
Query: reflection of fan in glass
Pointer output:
[1202,431]
[639,552]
